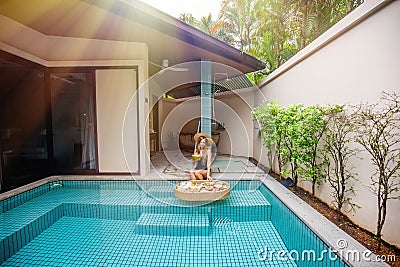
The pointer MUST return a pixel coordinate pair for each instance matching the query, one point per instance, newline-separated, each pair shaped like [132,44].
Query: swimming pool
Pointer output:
[127,223]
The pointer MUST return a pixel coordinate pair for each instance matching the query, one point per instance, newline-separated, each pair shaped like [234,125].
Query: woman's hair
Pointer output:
[204,156]
[198,147]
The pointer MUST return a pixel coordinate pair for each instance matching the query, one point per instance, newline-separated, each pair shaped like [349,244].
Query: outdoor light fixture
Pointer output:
[164,66]
[165,63]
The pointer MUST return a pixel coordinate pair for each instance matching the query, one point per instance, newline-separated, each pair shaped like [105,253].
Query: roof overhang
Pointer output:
[128,21]
[220,86]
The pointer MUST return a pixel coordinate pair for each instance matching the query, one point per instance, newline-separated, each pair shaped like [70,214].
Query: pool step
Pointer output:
[160,191]
[242,205]
[173,224]
[11,243]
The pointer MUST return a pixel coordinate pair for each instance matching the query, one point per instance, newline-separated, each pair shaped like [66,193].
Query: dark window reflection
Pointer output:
[73,121]
[23,124]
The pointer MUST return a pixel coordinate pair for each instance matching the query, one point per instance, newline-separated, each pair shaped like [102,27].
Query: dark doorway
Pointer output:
[73,120]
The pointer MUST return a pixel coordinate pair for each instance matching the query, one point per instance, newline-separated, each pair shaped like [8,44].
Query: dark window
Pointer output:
[73,120]
[47,121]
[24,151]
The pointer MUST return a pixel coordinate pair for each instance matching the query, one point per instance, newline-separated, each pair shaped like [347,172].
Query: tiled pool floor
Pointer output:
[145,225]
[75,241]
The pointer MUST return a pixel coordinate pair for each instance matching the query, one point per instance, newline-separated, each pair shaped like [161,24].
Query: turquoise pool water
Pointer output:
[121,223]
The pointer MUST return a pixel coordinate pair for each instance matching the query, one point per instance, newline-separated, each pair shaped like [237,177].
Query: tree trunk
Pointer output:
[280,165]
[294,173]
[379,224]
[304,11]
[342,181]
[313,186]
[279,160]
[382,200]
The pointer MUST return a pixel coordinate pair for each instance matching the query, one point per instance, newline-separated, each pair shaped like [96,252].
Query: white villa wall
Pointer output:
[347,66]
[53,51]
[237,139]
[165,106]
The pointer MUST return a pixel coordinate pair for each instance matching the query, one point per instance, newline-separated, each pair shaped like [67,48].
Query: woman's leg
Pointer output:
[192,175]
[203,174]
[198,175]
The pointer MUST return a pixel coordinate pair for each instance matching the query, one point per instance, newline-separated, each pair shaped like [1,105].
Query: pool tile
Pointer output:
[77,226]
[173,224]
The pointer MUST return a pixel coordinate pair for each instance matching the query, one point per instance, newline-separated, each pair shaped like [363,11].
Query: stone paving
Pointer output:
[176,165]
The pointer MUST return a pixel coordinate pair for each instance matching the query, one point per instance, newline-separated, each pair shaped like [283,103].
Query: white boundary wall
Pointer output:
[352,62]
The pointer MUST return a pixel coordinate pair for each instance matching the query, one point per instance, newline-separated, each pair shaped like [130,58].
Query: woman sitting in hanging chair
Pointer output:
[202,164]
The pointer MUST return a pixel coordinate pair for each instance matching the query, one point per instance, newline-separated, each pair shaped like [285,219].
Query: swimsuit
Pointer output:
[201,165]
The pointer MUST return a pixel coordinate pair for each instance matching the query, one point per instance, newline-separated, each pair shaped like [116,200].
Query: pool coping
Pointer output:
[109,177]
[308,215]
[333,236]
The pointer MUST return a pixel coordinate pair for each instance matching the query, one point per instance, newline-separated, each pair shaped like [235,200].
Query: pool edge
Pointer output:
[320,224]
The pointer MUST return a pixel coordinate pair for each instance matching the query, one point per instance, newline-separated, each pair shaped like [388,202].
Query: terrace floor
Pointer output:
[173,165]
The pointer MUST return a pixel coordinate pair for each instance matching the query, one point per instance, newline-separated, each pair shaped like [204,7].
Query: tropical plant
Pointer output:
[240,22]
[289,150]
[273,44]
[310,129]
[350,5]
[189,19]
[337,153]
[265,115]
[311,18]
[207,24]
[378,129]
[272,30]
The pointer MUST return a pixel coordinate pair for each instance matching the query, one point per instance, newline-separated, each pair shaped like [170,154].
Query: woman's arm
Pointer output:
[209,155]
[195,164]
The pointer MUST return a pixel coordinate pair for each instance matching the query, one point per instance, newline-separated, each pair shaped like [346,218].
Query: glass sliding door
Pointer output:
[73,121]
[23,144]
